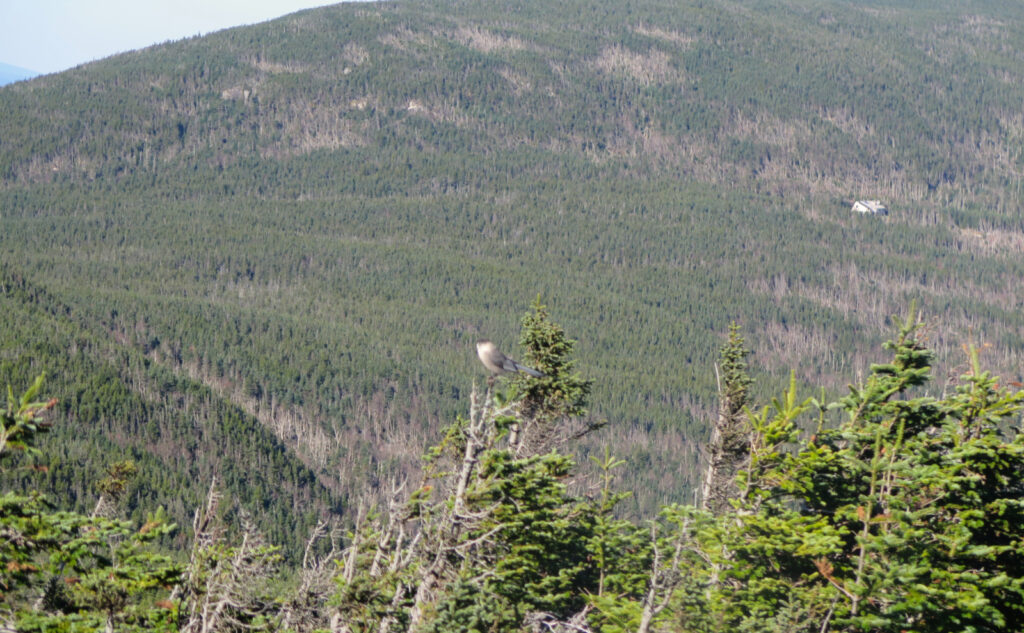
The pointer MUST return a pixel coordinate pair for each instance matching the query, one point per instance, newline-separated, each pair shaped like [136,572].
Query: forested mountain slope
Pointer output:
[116,404]
[316,217]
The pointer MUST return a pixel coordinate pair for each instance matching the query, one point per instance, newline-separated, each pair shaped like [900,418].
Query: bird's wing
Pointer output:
[528,370]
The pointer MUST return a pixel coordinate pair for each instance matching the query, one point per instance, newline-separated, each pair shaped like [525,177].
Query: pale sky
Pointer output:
[51,35]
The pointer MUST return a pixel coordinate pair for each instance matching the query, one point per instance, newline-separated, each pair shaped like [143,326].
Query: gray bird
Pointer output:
[498,363]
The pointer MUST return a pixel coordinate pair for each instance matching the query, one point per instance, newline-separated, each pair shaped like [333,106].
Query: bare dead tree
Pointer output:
[420,540]
[540,622]
[663,578]
[222,586]
[306,610]
[445,537]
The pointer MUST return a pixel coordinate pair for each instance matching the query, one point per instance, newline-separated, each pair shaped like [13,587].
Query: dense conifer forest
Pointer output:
[253,266]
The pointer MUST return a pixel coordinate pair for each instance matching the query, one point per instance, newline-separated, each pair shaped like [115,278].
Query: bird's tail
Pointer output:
[528,370]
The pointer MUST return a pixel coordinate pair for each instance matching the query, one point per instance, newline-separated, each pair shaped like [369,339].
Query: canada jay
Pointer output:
[498,363]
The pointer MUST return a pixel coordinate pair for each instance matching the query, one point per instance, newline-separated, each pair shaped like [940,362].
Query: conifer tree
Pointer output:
[906,515]
[66,571]
[730,438]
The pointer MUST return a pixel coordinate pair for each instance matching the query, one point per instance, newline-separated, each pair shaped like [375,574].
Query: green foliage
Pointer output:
[735,378]
[102,571]
[561,393]
[619,555]
[23,420]
[65,571]
[905,516]
[932,492]
[550,409]
[537,558]
[118,476]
